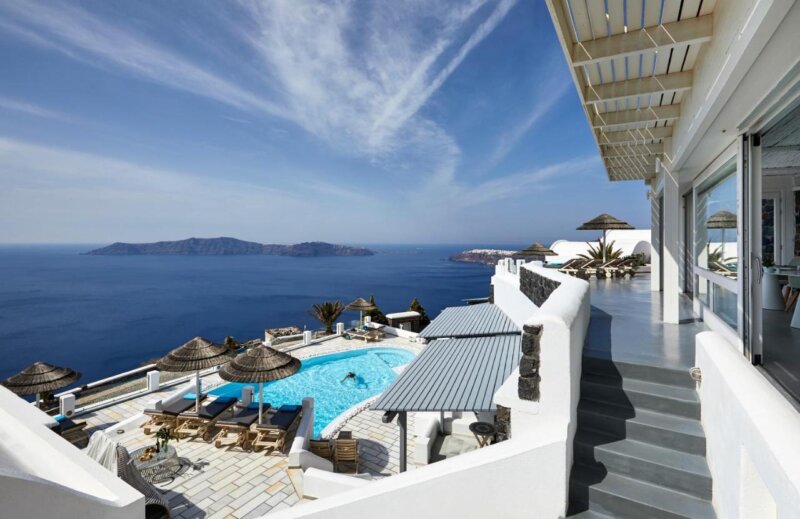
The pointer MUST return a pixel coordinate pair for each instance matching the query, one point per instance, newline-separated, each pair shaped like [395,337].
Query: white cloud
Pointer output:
[32,109]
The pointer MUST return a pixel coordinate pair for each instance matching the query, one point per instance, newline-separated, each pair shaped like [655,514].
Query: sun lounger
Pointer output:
[345,451]
[236,429]
[272,435]
[192,424]
[71,431]
[168,414]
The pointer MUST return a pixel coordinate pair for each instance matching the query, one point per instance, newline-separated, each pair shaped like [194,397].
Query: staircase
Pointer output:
[640,448]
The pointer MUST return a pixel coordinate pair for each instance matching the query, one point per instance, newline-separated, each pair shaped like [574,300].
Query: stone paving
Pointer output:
[230,483]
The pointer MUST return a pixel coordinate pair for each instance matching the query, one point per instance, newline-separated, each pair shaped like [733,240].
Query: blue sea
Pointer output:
[102,315]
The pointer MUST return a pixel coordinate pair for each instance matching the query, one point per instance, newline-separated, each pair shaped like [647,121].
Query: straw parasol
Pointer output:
[536,251]
[722,220]
[361,305]
[40,377]
[605,222]
[258,365]
[195,355]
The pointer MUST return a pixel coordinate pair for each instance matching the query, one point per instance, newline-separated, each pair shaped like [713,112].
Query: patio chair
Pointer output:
[236,429]
[345,451]
[168,414]
[197,424]
[321,448]
[571,265]
[155,505]
[272,435]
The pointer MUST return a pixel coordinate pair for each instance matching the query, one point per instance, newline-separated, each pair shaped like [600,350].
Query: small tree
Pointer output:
[424,320]
[375,314]
[327,313]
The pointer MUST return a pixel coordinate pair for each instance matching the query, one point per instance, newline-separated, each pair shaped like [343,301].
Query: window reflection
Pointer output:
[717,227]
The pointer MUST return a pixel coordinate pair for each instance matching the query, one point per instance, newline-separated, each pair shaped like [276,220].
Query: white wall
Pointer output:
[43,475]
[753,436]
[508,298]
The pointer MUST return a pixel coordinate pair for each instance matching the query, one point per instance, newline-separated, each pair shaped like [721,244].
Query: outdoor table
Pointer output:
[160,467]
[772,298]
[483,431]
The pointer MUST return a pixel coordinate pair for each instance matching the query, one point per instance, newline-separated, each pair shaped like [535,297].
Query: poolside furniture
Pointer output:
[236,429]
[194,424]
[156,467]
[367,336]
[155,505]
[167,416]
[571,265]
[272,434]
[321,448]
[71,431]
[345,451]
[483,431]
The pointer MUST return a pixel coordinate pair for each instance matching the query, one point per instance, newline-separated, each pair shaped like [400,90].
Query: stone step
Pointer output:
[589,514]
[627,370]
[668,468]
[636,393]
[669,431]
[626,498]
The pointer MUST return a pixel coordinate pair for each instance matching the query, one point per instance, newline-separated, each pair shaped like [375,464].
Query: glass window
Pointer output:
[724,304]
[717,227]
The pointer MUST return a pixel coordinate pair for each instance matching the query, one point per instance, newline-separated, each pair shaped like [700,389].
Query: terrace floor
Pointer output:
[230,483]
[627,325]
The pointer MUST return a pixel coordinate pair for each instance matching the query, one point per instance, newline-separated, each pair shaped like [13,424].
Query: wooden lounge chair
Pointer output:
[571,265]
[272,435]
[71,431]
[345,451]
[168,414]
[236,429]
[321,448]
[193,424]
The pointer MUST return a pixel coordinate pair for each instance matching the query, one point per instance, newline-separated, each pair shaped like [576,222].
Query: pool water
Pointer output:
[323,378]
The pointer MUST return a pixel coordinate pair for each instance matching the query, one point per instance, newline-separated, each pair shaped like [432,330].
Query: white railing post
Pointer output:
[307,336]
[66,404]
[153,380]
[340,328]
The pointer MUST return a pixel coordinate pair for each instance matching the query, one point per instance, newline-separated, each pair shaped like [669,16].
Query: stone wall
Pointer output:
[528,385]
[535,286]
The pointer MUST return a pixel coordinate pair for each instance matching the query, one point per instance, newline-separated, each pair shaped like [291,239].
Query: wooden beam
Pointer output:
[615,174]
[641,161]
[635,136]
[665,83]
[639,116]
[633,151]
[654,38]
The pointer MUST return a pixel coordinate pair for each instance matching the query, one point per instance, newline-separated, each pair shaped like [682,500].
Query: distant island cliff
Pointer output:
[229,246]
[482,256]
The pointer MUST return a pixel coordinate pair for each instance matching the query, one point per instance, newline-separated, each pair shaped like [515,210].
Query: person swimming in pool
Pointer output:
[350,374]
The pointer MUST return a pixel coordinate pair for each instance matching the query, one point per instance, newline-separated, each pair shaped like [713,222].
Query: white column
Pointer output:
[655,241]
[671,248]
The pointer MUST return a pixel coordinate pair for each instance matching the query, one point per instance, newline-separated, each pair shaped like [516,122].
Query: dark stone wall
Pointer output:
[528,383]
[536,287]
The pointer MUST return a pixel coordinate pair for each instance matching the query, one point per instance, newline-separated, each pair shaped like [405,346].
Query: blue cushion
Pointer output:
[254,405]
[60,418]
[290,408]
[190,396]
[225,399]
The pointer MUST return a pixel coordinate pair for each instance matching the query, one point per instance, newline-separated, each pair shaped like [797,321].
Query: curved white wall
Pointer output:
[634,241]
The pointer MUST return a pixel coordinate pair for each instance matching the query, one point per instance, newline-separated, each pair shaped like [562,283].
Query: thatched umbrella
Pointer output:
[721,220]
[40,377]
[258,365]
[195,355]
[605,222]
[361,305]
[537,251]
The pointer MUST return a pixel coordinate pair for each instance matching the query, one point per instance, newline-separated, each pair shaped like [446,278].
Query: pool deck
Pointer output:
[230,483]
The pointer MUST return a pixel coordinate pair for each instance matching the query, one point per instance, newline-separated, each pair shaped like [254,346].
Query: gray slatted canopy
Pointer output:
[481,320]
[454,375]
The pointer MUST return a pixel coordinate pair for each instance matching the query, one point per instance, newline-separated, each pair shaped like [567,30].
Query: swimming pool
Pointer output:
[323,378]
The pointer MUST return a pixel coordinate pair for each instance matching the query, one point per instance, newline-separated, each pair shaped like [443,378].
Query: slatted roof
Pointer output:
[479,320]
[454,375]
[632,64]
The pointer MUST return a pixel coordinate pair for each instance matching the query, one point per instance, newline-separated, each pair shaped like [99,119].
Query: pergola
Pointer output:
[459,375]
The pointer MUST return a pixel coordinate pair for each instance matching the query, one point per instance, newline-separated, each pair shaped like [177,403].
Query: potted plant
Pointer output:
[163,436]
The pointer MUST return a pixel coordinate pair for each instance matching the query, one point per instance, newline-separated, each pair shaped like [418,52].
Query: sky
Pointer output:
[285,121]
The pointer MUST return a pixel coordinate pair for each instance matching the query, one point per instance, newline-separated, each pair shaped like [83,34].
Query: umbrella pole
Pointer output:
[197,392]
[604,246]
[38,398]
[260,401]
